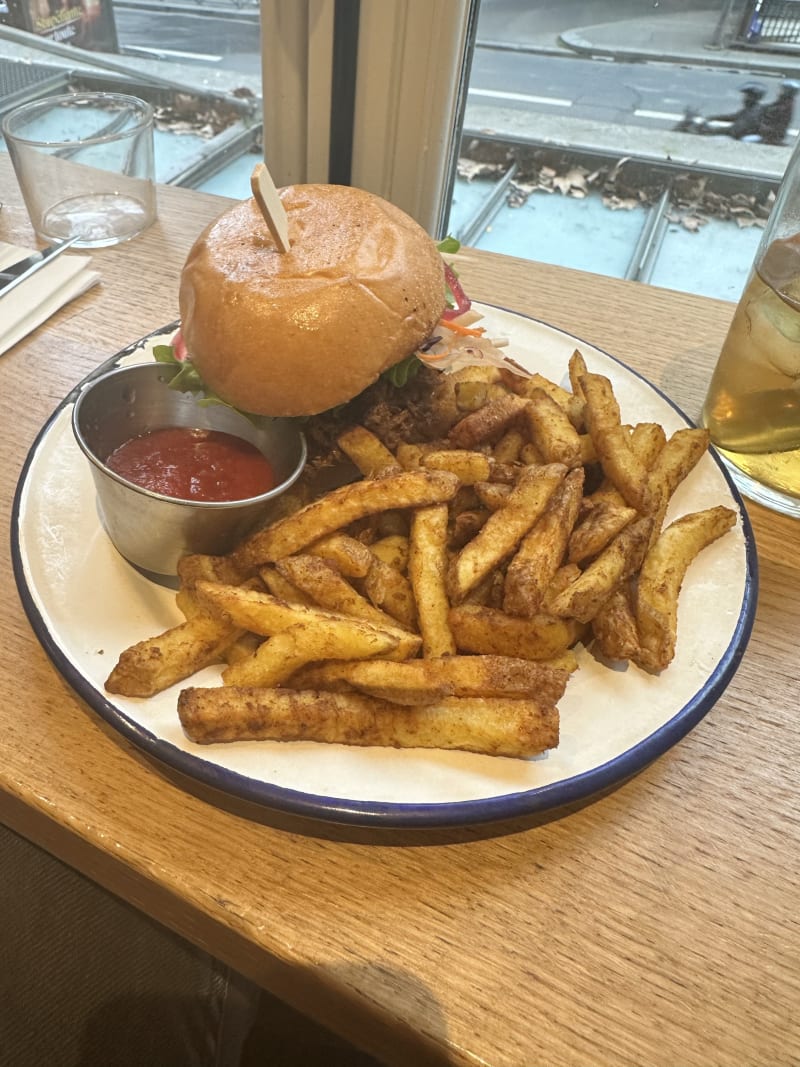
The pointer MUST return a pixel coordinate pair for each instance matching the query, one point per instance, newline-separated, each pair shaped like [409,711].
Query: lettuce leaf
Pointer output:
[188,379]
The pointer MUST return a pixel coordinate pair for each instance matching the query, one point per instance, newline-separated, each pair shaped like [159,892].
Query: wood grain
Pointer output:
[656,926]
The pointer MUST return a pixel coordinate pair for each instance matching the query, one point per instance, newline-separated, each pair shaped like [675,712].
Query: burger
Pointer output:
[298,332]
[328,331]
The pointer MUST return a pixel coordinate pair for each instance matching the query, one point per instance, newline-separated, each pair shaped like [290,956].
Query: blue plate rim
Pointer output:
[346,812]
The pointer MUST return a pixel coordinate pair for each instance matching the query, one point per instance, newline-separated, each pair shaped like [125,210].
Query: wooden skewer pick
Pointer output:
[270,205]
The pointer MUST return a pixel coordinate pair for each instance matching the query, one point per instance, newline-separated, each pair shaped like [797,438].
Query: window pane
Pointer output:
[199,64]
[628,138]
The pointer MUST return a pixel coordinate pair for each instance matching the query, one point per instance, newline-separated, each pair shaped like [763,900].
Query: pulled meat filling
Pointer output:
[408,414]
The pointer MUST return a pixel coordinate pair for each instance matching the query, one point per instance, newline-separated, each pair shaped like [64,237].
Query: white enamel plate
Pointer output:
[86,604]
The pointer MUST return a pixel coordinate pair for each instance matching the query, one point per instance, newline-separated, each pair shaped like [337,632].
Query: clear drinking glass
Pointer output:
[85,165]
[752,409]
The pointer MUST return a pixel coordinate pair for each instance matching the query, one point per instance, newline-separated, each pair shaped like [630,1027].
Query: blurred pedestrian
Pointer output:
[777,116]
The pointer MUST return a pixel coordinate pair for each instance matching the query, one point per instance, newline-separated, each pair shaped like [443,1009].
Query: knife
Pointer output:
[23,269]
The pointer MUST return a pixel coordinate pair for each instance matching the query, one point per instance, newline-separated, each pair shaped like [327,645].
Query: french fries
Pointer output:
[367,452]
[504,529]
[276,659]
[662,575]
[348,555]
[425,681]
[324,585]
[551,430]
[341,507]
[439,601]
[584,597]
[541,552]
[427,567]
[620,463]
[491,632]
[267,615]
[491,726]
[156,663]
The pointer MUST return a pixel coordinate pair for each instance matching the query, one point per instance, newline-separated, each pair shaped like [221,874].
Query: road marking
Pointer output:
[644,114]
[500,95]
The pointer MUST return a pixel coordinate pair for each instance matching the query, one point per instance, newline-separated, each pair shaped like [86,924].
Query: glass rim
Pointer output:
[142,110]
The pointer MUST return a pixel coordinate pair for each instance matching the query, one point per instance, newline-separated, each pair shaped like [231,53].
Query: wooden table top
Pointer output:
[655,926]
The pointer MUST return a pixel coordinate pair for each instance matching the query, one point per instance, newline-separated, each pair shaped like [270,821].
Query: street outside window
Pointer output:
[638,139]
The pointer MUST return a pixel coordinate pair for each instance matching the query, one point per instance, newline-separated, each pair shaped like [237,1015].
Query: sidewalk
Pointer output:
[684,38]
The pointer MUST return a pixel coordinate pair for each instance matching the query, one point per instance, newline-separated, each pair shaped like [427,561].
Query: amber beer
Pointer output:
[752,410]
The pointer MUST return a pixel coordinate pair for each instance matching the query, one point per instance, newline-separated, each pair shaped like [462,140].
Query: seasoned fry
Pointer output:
[600,525]
[584,597]
[509,473]
[509,446]
[277,658]
[341,507]
[389,589]
[242,648]
[647,440]
[551,430]
[348,555]
[186,602]
[367,452]
[620,463]
[267,615]
[487,423]
[410,457]
[196,567]
[473,395]
[282,588]
[492,495]
[392,550]
[530,454]
[153,665]
[577,369]
[427,566]
[425,681]
[539,556]
[677,458]
[504,529]
[324,586]
[588,450]
[661,578]
[469,466]
[481,372]
[614,627]
[571,403]
[564,576]
[492,726]
[493,633]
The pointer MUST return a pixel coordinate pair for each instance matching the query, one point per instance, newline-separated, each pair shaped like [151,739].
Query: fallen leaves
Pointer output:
[623,186]
[190,114]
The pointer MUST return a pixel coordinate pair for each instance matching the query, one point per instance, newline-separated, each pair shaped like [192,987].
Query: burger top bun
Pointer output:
[298,332]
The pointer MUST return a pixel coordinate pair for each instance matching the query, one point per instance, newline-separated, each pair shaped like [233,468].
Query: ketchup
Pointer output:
[191,464]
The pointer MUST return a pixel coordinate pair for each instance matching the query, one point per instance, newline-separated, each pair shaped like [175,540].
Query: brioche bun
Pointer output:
[298,332]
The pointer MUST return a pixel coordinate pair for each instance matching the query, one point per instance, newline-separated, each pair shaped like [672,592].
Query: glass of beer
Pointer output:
[752,409]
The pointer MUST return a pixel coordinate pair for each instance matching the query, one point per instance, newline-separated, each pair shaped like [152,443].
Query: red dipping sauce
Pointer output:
[190,464]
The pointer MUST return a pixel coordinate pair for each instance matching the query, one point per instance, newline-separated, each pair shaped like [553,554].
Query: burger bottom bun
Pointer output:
[299,332]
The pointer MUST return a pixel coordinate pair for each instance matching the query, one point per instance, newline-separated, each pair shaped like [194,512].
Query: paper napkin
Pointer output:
[33,301]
